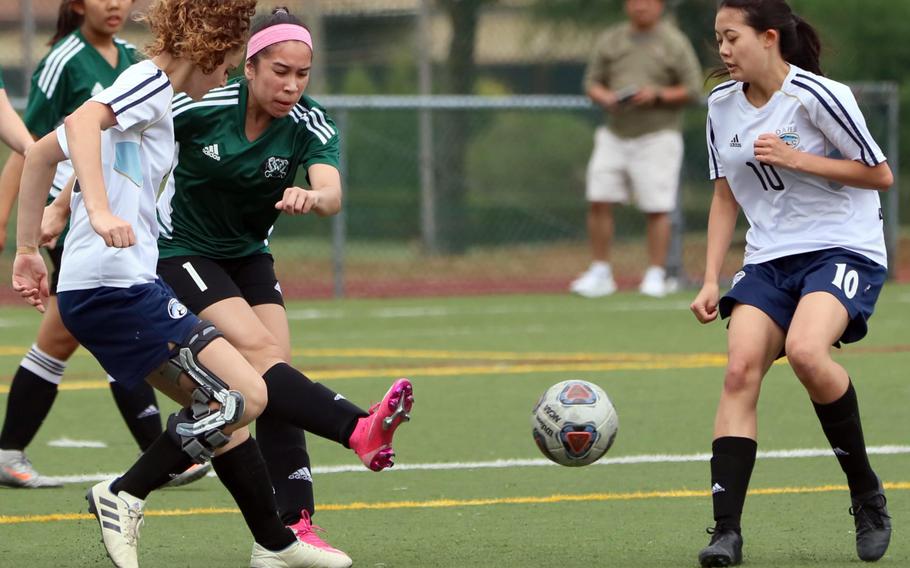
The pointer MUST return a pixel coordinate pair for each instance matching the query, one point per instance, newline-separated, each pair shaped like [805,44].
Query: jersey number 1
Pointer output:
[767,172]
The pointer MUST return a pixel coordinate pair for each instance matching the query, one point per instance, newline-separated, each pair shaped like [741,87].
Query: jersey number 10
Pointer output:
[768,176]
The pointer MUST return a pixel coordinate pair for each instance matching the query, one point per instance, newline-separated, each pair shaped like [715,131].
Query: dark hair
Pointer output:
[279,15]
[67,21]
[799,42]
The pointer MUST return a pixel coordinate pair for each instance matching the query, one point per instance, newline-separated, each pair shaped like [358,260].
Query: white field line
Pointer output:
[517,463]
[69,443]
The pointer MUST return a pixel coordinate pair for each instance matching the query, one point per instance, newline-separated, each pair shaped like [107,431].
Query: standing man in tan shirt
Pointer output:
[642,73]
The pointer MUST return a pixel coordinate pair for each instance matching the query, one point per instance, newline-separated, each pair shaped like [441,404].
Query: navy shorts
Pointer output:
[127,329]
[775,287]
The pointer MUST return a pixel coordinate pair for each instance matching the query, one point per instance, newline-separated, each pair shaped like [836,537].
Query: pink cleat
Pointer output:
[372,437]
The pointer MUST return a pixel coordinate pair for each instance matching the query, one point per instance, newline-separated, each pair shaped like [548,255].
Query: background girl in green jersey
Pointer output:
[240,149]
[85,58]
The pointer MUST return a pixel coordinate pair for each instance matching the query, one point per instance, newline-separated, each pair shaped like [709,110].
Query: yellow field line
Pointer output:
[14,350]
[450,503]
[664,362]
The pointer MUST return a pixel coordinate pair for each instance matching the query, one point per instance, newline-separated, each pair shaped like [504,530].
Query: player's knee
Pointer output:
[261,350]
[742,376]
[256,398]
[805,357]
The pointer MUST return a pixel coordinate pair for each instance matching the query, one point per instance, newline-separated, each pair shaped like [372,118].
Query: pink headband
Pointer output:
[275,34]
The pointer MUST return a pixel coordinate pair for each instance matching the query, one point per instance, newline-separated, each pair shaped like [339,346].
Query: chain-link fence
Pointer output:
[465,194]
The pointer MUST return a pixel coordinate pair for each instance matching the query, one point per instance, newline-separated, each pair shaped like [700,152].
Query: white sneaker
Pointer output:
[654,283]
[193,473]
[298,555]
[596,282]
[120,517]
[17,471]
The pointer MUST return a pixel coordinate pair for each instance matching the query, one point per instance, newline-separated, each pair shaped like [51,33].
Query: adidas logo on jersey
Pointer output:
[212,152]
[716,488]
[735,142]
[302,474]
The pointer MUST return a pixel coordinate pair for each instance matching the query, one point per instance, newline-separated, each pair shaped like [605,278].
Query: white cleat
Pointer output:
[120,518]
[299,555]
[17,471]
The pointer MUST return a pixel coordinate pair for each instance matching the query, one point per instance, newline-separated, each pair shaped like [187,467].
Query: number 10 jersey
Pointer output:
[790,212]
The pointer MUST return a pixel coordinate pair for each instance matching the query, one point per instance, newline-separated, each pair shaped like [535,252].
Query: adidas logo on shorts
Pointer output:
[717,488]
[212,152]
[735,142]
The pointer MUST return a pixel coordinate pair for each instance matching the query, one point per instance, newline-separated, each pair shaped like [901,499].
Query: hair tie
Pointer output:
[276,34]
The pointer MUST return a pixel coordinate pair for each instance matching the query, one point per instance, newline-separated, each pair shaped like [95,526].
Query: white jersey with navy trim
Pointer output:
[137,155]
[791,212]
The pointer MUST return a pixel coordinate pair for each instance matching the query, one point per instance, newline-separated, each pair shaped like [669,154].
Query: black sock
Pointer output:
[731,467]
[284,448]
[28,404]
[154,468]
[297,400]
[139,409]
[243,471]
[841,424]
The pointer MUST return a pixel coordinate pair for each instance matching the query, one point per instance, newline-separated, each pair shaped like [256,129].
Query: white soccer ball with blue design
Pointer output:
[574,423]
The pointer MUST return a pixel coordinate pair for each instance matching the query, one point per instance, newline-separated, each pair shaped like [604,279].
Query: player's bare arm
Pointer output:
[83,135]
[12,130]
[29,271]
[56,214]
[324,198]
[721,223]
[770,149]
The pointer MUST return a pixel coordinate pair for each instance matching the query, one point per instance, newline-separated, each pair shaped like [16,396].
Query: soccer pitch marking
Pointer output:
[453,503]
[501,363]
[519,463]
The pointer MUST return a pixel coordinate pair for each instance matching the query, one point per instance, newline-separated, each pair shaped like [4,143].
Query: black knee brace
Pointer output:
[199,428]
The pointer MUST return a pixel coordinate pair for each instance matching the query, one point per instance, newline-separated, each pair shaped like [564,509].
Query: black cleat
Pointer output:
[725,548]
[873,524]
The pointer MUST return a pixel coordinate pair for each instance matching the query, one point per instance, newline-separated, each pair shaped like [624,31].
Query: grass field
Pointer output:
[478,366]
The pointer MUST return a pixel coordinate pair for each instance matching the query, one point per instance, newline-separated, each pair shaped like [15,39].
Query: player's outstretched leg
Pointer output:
[725,548]
[309,550]
[372,437]
[873,524]
[120,517]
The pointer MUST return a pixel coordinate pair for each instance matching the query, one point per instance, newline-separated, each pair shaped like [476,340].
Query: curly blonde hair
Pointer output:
[202,31]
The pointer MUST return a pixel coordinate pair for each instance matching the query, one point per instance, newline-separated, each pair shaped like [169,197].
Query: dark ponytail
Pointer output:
[808,47]
[68,21]
[799,42]
[279,15]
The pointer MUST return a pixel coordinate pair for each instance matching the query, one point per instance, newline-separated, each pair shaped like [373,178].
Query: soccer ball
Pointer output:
[574,423]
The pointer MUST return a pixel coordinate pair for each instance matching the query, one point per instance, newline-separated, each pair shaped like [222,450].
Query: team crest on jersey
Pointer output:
[175,309]
[789,136]
[275,168]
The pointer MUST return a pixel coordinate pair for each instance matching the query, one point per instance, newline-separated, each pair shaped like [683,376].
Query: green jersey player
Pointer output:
[239,151]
